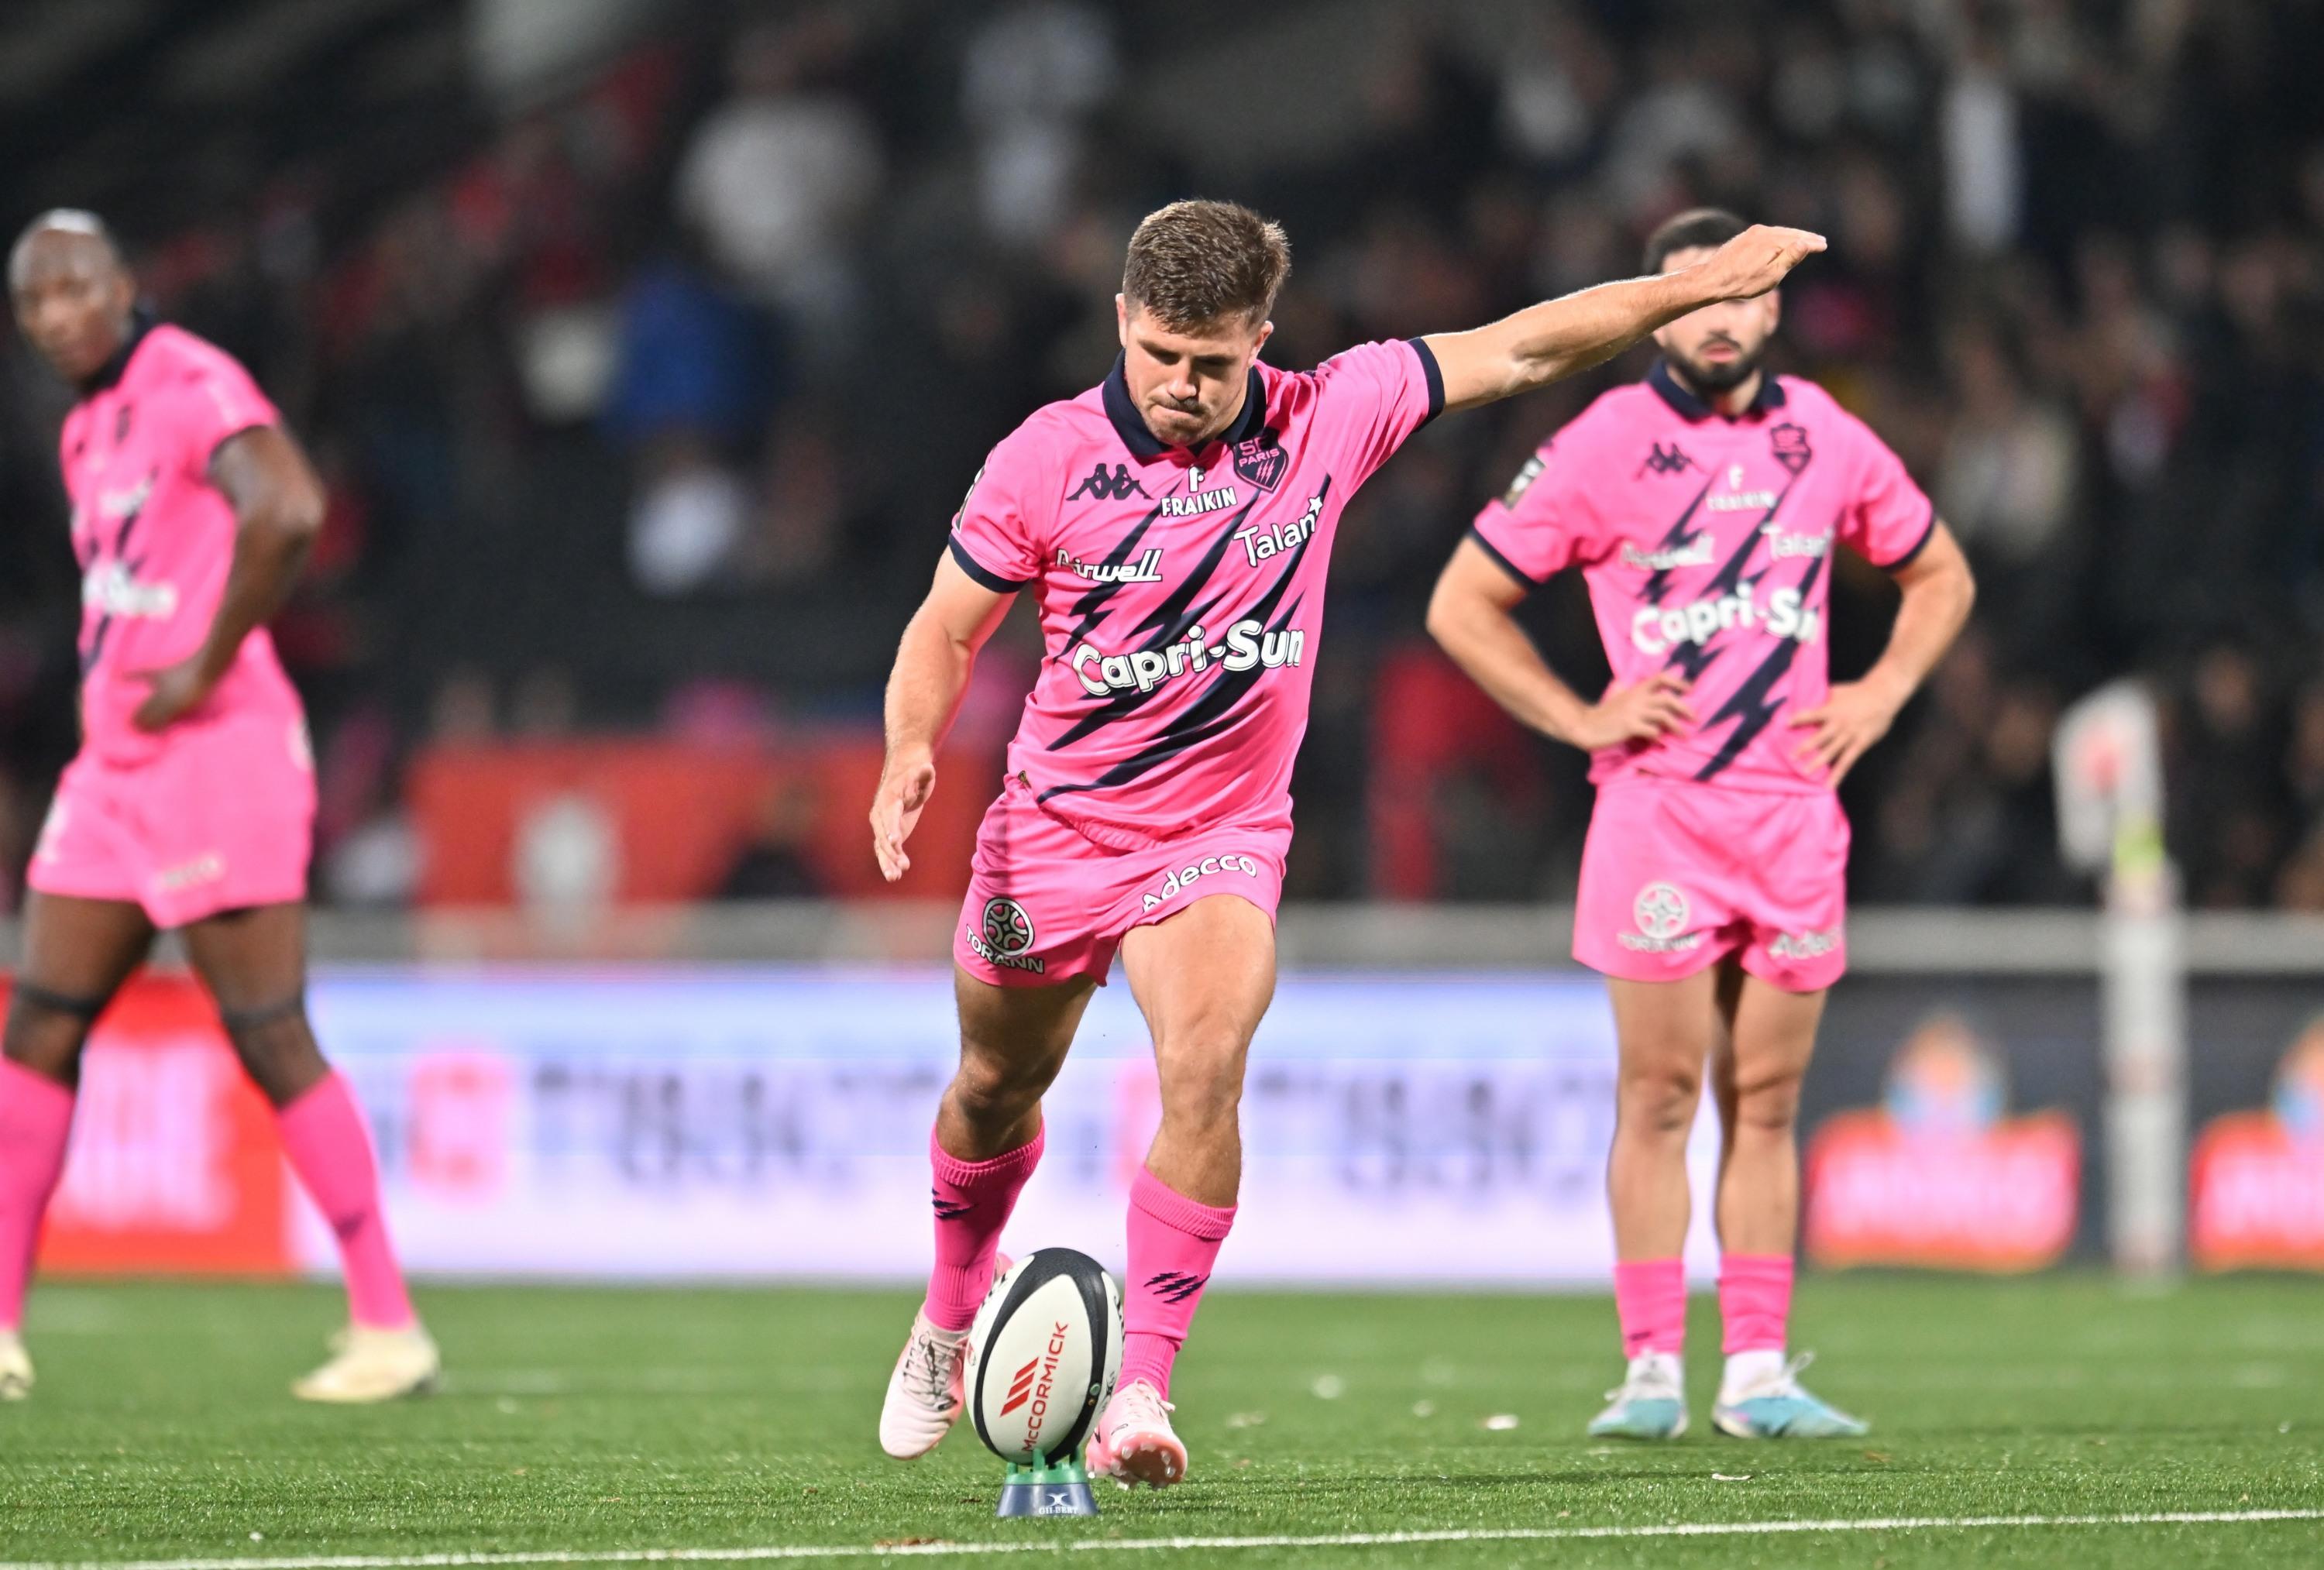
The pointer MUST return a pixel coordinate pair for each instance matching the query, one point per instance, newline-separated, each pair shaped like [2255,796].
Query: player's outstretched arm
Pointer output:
[278,511]
[1556,338]
[1473,615]
[924,692]
[1939,591]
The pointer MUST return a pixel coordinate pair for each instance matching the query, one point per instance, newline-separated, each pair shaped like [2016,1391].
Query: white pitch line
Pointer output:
[924,1549]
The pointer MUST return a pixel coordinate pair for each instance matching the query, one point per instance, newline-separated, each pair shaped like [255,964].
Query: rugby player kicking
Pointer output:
[1702,507]
[1174,522]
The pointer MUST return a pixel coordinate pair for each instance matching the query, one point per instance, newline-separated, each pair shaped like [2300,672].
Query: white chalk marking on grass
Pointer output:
[934,1549]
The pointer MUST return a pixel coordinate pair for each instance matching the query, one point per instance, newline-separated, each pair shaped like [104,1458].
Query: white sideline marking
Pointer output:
[1180,1544]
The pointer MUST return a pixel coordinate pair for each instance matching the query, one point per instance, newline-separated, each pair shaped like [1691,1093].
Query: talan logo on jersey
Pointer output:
[1003,937]
[1665,458]
[1259,544]
[1785,614]
[1661,912]
[1146,569]
[1789,443]
[1735,499]
[1196,500]
[1184,877]
[1785,545]
[1246,645]
[1696,552]
[1262,459]
[111,588]
[1120,485]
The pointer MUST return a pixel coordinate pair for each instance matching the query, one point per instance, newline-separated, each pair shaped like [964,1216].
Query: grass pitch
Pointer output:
[590,1421]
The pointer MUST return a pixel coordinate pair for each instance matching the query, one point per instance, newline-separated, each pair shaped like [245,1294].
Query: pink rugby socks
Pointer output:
[323,1136]
[1650,1298]
[1755,1302]
[35,1116]
[972,1202]
[1174,1241]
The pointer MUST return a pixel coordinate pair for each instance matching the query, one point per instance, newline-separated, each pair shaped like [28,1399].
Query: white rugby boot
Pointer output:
[1134,1443]
[369,1364]
[15,1367]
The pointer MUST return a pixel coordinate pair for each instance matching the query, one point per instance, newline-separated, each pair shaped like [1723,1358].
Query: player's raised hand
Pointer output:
[1843,728]
[1756,261]
[1641,711]
[905,787]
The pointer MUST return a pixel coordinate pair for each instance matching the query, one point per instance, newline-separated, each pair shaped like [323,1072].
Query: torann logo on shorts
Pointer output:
[1195,872]
[1785,614]
[1812,945]
[1247,643]
[1661,912]
[1005,935]
[1117,486]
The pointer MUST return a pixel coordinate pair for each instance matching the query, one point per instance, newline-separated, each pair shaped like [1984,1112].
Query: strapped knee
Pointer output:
[241,1023]
[82,1008]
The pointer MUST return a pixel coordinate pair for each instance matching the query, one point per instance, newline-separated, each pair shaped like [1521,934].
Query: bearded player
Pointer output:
[1702,508]
[1173,522]
[191,804]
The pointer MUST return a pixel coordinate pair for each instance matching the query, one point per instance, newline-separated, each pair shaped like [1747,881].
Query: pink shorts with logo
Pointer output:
[1677,874]
[220,818]
[1046,902]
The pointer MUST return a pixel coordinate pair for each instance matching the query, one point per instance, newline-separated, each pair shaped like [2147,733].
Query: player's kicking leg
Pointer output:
[77,954]
[1203,977]
[1755,1078]
[985,1145]
[253,962]
[1664,1031]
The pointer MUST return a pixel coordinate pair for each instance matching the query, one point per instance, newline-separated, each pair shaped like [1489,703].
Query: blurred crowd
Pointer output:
[649,412]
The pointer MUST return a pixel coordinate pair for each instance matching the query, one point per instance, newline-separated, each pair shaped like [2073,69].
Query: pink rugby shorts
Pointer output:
[1677,874]
[1046,902]
[220,818]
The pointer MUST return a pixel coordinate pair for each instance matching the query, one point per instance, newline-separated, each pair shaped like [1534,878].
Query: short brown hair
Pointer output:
[1196,262]
[1696,229]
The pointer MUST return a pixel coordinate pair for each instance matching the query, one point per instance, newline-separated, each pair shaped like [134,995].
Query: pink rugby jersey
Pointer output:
[155,536]
[1706,544]
[1182,591]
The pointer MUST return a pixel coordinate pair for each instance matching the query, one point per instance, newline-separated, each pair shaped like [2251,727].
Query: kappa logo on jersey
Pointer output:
[1789,443]
[1259,544]
[1262,459]
[1785,614]
[1002,937]
[1661,912]
[1665,458]
[1525,476]
[1146,569]
[1184,877]
[1117,486]
[1249,643]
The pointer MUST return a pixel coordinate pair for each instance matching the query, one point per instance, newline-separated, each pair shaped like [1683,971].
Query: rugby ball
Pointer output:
[1043,1356]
